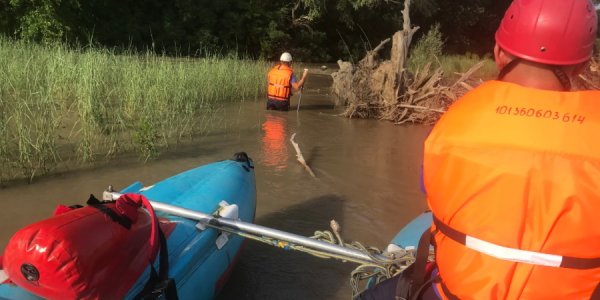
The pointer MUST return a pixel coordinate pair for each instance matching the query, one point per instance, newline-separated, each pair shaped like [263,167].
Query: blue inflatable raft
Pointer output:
[199,258]
[411,233]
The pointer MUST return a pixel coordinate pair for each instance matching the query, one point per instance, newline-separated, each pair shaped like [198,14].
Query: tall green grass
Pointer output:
[456,65]
[59,104]
[429,49]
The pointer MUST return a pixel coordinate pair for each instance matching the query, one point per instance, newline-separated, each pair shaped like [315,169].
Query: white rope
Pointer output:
[376,272]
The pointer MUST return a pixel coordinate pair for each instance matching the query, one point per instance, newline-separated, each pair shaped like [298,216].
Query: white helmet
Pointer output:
[286,57]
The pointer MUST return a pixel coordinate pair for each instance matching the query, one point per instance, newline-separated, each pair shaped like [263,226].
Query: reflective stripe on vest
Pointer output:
[516,255]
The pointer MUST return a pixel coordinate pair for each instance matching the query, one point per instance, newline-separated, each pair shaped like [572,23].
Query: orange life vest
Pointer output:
[513,179]
[279,82]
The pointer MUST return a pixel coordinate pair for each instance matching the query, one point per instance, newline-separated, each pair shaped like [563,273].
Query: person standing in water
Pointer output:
[280,82]
[512,171]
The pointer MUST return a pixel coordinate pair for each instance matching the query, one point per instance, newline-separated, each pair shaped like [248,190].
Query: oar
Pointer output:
[241,228]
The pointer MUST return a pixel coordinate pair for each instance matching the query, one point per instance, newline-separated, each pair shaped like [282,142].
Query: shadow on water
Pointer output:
[312,154]
[266,272]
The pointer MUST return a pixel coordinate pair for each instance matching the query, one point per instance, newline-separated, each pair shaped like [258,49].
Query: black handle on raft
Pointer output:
[243,158]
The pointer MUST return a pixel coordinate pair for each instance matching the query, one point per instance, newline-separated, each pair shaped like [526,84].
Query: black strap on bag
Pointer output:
[418,275]
[412,281]
[411,284]
[101,206]
[418,282]
[159,285]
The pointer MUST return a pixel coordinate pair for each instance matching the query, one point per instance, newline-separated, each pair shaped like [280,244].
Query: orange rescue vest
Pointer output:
[513,179]
[279,83]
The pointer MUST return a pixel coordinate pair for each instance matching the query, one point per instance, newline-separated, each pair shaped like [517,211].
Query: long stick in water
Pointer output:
[300,99]
[301,91]
[235,226]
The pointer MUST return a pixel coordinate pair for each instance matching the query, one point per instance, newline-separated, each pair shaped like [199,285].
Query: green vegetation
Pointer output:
[58,104]
[430,48]
[174,61]
[314,31]
[458,64]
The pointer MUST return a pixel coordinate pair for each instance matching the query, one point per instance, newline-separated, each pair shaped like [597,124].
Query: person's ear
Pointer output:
[501,57]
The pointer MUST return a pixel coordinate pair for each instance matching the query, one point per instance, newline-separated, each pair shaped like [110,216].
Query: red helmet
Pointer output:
[555,32]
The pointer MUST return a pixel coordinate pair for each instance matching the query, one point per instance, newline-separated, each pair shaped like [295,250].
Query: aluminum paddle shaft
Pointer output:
[239,228]
[235,226]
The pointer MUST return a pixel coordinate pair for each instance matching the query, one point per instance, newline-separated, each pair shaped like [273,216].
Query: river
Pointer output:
[367,178]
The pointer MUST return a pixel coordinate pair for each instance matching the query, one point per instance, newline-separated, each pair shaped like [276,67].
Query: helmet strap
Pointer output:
[562,77]
[511,65]
[560,74]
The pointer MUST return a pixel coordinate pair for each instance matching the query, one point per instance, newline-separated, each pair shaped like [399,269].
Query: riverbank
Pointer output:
[61,107]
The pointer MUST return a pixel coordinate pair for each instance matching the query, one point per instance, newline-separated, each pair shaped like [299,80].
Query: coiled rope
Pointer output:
[363,276]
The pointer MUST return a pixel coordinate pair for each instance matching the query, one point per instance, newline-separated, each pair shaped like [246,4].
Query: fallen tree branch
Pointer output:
[300,157]
[381,45]
[589,82]
[439,110]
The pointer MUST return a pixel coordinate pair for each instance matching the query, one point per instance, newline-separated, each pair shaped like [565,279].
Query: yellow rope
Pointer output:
[362,276]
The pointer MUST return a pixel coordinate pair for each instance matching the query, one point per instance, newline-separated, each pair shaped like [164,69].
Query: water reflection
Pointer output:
[274,150]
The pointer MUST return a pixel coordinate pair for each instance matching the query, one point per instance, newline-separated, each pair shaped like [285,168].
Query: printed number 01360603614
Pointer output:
[540,114]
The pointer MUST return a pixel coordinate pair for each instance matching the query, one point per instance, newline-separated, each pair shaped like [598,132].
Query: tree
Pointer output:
[45,21]
[314,30]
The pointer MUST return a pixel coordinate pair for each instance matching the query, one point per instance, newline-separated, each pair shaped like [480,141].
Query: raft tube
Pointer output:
[199,259]
[411,233]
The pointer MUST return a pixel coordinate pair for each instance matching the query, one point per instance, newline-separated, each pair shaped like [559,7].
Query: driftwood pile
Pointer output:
[386,90]
[590,78]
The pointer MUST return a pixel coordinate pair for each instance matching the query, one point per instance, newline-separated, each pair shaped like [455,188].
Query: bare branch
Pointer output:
[300,157]
[387,90]
[381,45]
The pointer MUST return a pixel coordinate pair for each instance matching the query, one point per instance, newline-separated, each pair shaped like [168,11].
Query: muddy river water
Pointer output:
[367,179]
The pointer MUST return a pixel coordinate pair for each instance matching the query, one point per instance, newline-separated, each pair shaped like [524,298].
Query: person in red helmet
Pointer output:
[512,170]
[280,82]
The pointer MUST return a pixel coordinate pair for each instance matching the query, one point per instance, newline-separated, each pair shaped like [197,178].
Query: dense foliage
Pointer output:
[314,30]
